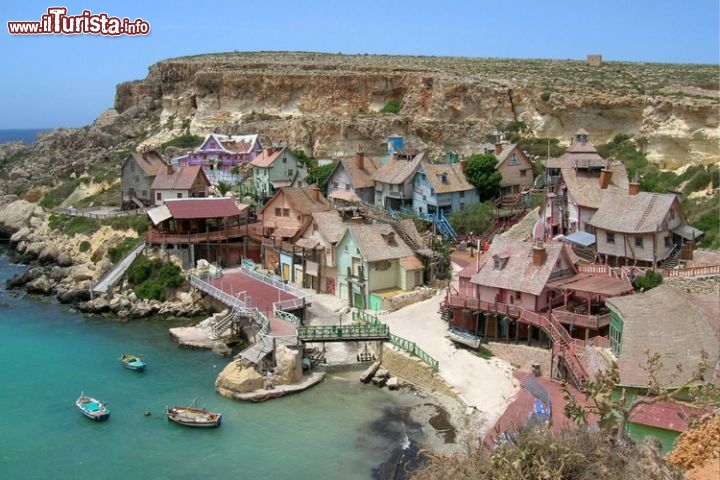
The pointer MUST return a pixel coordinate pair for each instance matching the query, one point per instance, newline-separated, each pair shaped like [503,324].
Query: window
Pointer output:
[137,178]
[518,295]
[335,185]
[347,187]
[144,193]
[286,212]
[284,160]
[158,196]
[668,242]
[639,242]
[523,172]
[132,167]
[462,194]
[290,171]
[278,212]
[514,160]
[179,195]
[672,213]
[610,237]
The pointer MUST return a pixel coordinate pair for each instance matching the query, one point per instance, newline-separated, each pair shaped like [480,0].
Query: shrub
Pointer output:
[71,226]
[545,96]
[117,252]
[698,182]
[55,197]
[186,140]
[650,279]
[393,106]
[150,277]
[84,246]
[139,223]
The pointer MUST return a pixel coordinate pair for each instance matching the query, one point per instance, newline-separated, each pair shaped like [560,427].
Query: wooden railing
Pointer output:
[690,271]
[580,320]
[157,237]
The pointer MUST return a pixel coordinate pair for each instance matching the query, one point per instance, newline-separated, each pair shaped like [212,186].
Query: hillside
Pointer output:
[329,104]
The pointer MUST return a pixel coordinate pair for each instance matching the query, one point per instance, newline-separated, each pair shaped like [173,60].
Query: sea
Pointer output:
[339,429]
[26,135]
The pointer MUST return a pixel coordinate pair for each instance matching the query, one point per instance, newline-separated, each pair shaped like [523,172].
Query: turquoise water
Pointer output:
[339,429]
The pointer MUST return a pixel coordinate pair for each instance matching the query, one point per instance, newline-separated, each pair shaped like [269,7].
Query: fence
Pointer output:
[99,214]
[413,349]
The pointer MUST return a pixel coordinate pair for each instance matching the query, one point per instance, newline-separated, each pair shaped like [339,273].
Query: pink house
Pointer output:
[222,152]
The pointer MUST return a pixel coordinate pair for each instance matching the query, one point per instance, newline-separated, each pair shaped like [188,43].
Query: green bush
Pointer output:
[84,246]
[117,252]
[139,223]
[71,226]
[698,182]
[57,195]
[151,277]
[186,140]
[393,106]
[545,96]
[650,279]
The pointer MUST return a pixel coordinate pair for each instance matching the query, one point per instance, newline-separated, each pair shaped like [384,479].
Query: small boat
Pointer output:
[133,362]
[464,338]
[193,417]
[92,408]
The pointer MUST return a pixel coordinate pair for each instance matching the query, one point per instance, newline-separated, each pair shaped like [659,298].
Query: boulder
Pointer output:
[393,383]
[49,253]
[15,216]
[238,379]
[41,285]
[58,273]
[81,273]
[288,368]
[20,235]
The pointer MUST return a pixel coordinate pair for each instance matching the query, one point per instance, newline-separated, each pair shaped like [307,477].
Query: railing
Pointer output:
[579,320]
[690,271]
[154,236]
[279,284]
[113,275]
[289,317]
[289,304]
[594,269]
[224,297]
[364,317]
[338,332]
[413,349]
[73,212]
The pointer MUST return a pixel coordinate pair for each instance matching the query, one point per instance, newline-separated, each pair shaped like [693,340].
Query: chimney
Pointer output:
[605,176]
[169,167]
[360,159]
[315,194]
[634,188]
[463,166]
[498,148]
[538,254]
[268,151]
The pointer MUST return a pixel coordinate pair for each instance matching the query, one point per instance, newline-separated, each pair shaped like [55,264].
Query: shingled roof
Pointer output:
[397,171]
[232,143]
[518,273]
[360,177]
[578,155]
[455,180]
[330,225]
[302,200]
[640,213]
[584,185]
[150,162]
[378,241]
[181,178]
[267,157]
[670,322]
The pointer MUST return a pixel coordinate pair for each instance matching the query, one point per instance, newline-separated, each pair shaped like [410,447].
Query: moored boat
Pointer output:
[193,417]
[133,362]
[92,408]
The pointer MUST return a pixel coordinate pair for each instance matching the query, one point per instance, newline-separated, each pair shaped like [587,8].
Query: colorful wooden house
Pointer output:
[319,241]
[223,152]
[516,169]
[179,182]
[442,188]
[195,228]
[288,213]
[677,325]
[352,180]
[137,174]
[373,262]
[640,228]
[394,181]
[276,168]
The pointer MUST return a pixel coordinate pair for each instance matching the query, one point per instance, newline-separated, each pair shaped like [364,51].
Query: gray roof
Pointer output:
[584,186]
[640,213]
[330,225]
[670,322]
[397,171]
[379,242]
[519,273]
[455,180]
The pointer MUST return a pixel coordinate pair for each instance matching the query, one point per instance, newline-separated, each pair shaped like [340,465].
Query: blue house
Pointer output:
[442,188]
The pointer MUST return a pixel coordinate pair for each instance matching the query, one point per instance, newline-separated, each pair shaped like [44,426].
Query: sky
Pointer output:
[56,80]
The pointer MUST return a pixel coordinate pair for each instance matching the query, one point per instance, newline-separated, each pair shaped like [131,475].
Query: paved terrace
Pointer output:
[255,293]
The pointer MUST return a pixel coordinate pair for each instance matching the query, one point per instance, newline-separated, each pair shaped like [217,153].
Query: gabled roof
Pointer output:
[397,171]
[181,178]
[330,225]
[301,200]
[518,273]
[267,157]
[578,155]
[149,162]
[232,143]
[668,321]
[359,177]
[507,152]
[454,178]
[640,213]
[192,208]
[378,242]
[584,185]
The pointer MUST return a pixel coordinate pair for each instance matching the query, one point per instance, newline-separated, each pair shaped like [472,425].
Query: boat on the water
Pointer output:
[92,408]
[133,362]
[193,417]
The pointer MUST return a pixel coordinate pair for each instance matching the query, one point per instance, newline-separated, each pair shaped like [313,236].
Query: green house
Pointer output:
[374,262]
[275,168]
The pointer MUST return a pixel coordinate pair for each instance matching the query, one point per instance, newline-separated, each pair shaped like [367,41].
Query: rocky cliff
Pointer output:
[329,104]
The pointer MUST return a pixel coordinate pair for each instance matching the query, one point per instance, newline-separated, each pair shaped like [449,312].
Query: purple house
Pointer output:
[222,152]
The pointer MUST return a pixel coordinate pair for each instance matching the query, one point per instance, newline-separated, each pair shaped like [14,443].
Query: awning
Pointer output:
[687,232]
[159,214]
[285,232]
[281,183]
[581,238]
[345,195]
[307,243]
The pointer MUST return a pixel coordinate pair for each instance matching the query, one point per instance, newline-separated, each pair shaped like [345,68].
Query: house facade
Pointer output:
[516,169]
[137,174]
[179,182]
[276,168]
[320,238]
[288,213]
[442,189]
[352,180]
[373,260]
[394,182]
[223,152]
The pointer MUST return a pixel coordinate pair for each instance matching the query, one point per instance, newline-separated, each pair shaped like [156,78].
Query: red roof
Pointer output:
[187,208]
[180,178]
[666,415]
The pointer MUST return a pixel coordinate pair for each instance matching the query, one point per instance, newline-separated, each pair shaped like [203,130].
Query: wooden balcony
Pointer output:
[595,322]
[158,237]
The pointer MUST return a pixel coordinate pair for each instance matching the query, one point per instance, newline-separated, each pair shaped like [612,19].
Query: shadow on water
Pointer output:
[402,431]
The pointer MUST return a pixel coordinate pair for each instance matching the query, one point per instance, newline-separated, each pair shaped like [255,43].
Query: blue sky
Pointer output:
[67,81]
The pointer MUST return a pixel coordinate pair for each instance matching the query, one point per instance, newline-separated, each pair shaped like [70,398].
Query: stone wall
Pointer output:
[414,371]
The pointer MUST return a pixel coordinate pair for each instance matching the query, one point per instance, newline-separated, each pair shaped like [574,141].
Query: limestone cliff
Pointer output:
[328,104]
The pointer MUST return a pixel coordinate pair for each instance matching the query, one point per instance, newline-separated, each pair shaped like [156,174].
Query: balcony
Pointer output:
[159,237]
[568,317]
